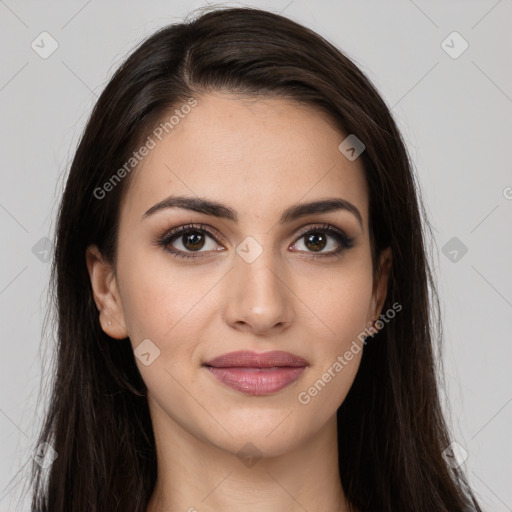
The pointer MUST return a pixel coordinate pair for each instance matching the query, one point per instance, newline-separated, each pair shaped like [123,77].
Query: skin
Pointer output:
[258,157]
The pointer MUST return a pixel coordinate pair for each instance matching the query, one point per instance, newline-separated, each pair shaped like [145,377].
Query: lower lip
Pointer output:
[257,381]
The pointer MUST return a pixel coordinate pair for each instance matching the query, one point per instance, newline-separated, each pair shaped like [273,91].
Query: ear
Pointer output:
[106,294]
[380,285]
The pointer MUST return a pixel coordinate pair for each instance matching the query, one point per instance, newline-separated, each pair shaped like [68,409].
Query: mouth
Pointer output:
[257,373]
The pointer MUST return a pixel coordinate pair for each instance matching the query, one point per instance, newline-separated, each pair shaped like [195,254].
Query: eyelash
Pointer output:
[346,242]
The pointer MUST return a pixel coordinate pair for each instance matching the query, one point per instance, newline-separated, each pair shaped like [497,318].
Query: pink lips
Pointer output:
[257,373]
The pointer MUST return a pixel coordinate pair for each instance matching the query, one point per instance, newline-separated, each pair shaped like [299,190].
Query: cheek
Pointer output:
[339,300]
[170,306]
[338,352]
[158,295]
[339,311]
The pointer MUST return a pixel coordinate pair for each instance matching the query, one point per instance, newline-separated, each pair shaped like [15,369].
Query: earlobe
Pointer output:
[106,294]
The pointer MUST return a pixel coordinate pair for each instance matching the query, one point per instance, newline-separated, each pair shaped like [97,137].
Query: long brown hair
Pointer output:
[391,430]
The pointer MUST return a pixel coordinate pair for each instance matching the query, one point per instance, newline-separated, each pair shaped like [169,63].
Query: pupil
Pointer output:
[193,240]
[313,239]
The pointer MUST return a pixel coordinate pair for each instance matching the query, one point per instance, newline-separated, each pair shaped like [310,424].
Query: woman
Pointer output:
[242,287]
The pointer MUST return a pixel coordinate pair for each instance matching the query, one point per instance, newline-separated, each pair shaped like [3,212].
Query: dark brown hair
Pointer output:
[391,429]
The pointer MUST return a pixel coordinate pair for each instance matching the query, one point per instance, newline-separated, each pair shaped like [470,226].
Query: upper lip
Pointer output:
[248,359]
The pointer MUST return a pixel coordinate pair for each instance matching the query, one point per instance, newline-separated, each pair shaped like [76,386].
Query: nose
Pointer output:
[259,299]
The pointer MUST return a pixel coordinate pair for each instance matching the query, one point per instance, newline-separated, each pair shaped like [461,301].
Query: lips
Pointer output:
[257,373]
[248,359]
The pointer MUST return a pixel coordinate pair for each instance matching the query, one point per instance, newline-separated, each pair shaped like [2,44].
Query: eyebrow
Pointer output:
[219,210]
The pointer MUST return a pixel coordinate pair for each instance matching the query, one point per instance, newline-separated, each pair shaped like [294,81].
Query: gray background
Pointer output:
[455,114]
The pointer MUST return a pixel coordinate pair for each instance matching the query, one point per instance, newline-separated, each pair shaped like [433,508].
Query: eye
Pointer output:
[182,242]
[316,239]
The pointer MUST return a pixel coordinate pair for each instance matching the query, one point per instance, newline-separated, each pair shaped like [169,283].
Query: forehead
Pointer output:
[257,156]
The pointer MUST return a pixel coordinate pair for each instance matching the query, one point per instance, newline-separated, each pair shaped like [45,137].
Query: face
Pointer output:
[253,273]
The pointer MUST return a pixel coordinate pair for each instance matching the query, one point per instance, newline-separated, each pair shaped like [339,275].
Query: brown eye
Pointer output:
[315,241]
[323,241]
[193,240]
[189,242]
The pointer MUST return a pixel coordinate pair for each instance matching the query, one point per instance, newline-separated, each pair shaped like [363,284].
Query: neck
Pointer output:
[197,476]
